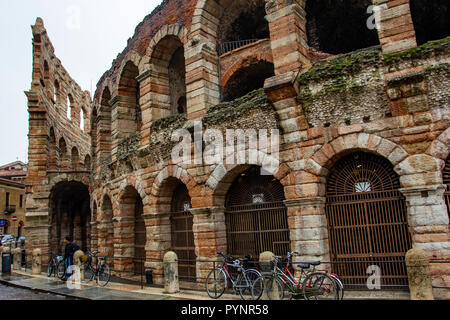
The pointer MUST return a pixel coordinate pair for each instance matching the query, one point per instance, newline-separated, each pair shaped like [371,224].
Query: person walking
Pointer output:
[72,255]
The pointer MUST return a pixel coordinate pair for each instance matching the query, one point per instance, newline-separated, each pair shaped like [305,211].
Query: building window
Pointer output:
[21,201]
[7,199]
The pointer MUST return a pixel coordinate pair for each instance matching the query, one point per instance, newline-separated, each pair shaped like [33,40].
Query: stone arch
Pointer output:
[63,153]
[168,70]
[170,171]
[249,75]
[440,147]
[129,232]
[53,155]
[223,176]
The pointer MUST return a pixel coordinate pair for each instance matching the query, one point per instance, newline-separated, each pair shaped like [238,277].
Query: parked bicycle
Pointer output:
[218,278]
[53,264]
[100,271]
[311,285]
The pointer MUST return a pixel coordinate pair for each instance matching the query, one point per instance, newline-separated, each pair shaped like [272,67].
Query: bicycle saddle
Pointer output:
[304,265]
[315,263]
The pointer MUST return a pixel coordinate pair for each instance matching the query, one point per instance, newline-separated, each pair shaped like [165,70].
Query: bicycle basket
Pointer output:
[84,258]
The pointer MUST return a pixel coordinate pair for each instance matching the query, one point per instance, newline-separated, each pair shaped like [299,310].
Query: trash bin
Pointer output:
[149,276]
[6,262]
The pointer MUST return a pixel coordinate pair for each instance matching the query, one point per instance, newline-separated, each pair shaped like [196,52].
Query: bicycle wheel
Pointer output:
[50,268]
[267,288]
[216,283]
[103,274]
[245,281]
[88,273]
[339,286]
[319,286]
[61,269]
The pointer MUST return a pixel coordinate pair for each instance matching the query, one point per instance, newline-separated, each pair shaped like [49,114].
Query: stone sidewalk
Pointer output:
[113,291]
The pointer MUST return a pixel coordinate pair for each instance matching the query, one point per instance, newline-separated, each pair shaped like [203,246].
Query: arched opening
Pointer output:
[367,221]
[129,112]
[133,241]
[94,228]
[105,230]
[53,156]
[247,79]
[75,159]
[256,216]
[70,215]
[45,78]
[63,156]
[182,236]
[169,63]
[431,19]
[241,23]
[104,145]
[87,162]
[94,134]
[56,92]
[446,176]
[70,108]
[339,26]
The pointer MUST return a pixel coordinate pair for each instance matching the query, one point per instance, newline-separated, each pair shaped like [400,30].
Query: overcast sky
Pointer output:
[87,36]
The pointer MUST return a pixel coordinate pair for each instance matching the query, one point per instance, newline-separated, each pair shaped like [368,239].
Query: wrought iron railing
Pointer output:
[232,45]
[10,209]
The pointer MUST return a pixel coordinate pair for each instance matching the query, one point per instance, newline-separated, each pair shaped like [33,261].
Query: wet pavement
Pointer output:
[12,293]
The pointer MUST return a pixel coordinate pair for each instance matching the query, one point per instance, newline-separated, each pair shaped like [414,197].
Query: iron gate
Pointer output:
[183,245]
[367,221]
[256,216]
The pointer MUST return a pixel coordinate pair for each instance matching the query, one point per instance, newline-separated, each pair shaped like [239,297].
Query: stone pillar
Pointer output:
[396,31]
[265,260]
[419,277]
[282,90]
[37,261]
[158,226]
[123,121]
[17,256]
[287,24]
[202,80]
[309,232]
[209,236]
[144,80]
[171,280]
[124,245]
[428,224]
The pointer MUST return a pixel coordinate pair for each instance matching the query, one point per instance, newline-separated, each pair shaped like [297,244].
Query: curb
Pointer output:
[9,284]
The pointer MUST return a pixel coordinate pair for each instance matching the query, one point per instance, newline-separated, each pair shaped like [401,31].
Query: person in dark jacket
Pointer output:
[69,250]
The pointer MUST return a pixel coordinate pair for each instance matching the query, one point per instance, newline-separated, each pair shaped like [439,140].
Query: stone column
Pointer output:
[209,236]
[144,80]
[287,24]
[396,31]
[428,224]
[123,244]
[309,231]
[158,242]
[419,277]
[171,280]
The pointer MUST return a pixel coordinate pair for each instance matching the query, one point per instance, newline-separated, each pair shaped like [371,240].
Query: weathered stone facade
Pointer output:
[391,101]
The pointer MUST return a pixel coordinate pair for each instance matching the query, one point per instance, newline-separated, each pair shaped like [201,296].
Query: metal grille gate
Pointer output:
[367,221]
[183,245]
[256,216]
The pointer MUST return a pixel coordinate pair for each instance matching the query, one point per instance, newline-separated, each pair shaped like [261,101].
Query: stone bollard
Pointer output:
[265,260]
[418,266]
[17,259]
[171,281]
[37,261]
